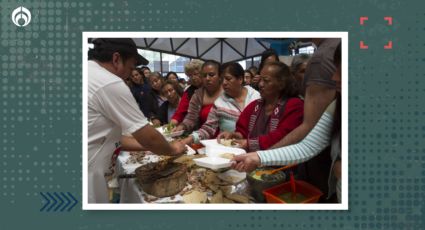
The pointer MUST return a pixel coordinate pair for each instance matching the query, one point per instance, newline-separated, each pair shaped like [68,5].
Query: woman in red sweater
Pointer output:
[267,120]
[203,98]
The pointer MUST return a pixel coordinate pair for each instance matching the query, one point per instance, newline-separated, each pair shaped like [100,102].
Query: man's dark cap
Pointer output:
[120,44]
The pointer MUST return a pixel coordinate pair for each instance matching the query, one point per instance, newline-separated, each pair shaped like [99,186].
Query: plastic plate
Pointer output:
[213,163]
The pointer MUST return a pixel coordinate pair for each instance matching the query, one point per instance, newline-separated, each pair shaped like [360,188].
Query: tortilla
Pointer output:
[227,155]
[195,197]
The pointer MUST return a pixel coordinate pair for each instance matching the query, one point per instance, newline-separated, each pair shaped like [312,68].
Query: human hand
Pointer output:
[246,162]
[241,143]
[178,128]
[188,140]
[156,123]
[224,135]
[178,148]
[174,122]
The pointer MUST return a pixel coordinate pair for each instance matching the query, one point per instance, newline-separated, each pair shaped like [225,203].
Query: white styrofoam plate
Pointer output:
[201,150]
[214,149]
[215,142]
[213,163]
[210,142]
[190,151]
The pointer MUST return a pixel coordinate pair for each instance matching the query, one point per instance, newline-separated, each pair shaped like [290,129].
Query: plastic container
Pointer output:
[201,151]
[213,163]
[214,149]
[311,193]
[256,186]
[190,151]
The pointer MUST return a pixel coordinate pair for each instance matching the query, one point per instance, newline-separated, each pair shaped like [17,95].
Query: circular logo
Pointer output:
[21,16]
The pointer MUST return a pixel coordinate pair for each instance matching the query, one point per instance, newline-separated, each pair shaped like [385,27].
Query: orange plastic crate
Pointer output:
[312,193]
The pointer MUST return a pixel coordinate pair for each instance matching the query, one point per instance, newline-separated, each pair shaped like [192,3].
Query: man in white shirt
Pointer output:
[113,111]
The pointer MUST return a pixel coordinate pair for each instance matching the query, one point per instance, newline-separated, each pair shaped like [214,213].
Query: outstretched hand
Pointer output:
[241,143]
[178,148]
[228,135]
[224,135]
[178,128]
[246,162]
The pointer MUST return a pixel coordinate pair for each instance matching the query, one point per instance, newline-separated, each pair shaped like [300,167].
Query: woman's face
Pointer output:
[231,84]
[211,79]
[136,77]
[270,86]
[247,78]
[195,78]
[299,75]
[173,78]
[156,83]
[146,72]
[169,92]
[255,79]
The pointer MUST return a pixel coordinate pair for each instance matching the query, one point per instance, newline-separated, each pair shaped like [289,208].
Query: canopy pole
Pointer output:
[160,62]
[221,53]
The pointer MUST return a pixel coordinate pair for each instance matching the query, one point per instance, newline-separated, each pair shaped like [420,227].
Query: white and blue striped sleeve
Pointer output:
[315,141]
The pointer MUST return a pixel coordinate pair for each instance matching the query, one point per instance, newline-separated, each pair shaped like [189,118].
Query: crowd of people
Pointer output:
[279,114]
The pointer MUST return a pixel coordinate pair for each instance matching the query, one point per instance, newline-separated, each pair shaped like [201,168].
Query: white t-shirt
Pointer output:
[112,111]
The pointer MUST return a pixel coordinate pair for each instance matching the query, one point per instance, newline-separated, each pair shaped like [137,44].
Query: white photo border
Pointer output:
[147,206]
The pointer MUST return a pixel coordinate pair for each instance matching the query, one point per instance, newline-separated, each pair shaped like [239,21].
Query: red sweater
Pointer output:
[182,108]
[292,117]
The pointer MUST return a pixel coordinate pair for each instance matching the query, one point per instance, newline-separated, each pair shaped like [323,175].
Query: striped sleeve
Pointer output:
[209,128]
[195,105]
[338,190]
[310,146]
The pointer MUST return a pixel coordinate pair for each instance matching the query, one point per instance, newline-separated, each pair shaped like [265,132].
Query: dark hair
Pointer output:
[169,73]
[249,72]
[283,73]
[159,76]
[214,63]
[337,55]
[336,127]
[337,115]
[156,74]
[267,53]
[140,71]
[190,91]
[145,67]
[233,68]
[298,61]
[175,86]
[254,69]
[296,64]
